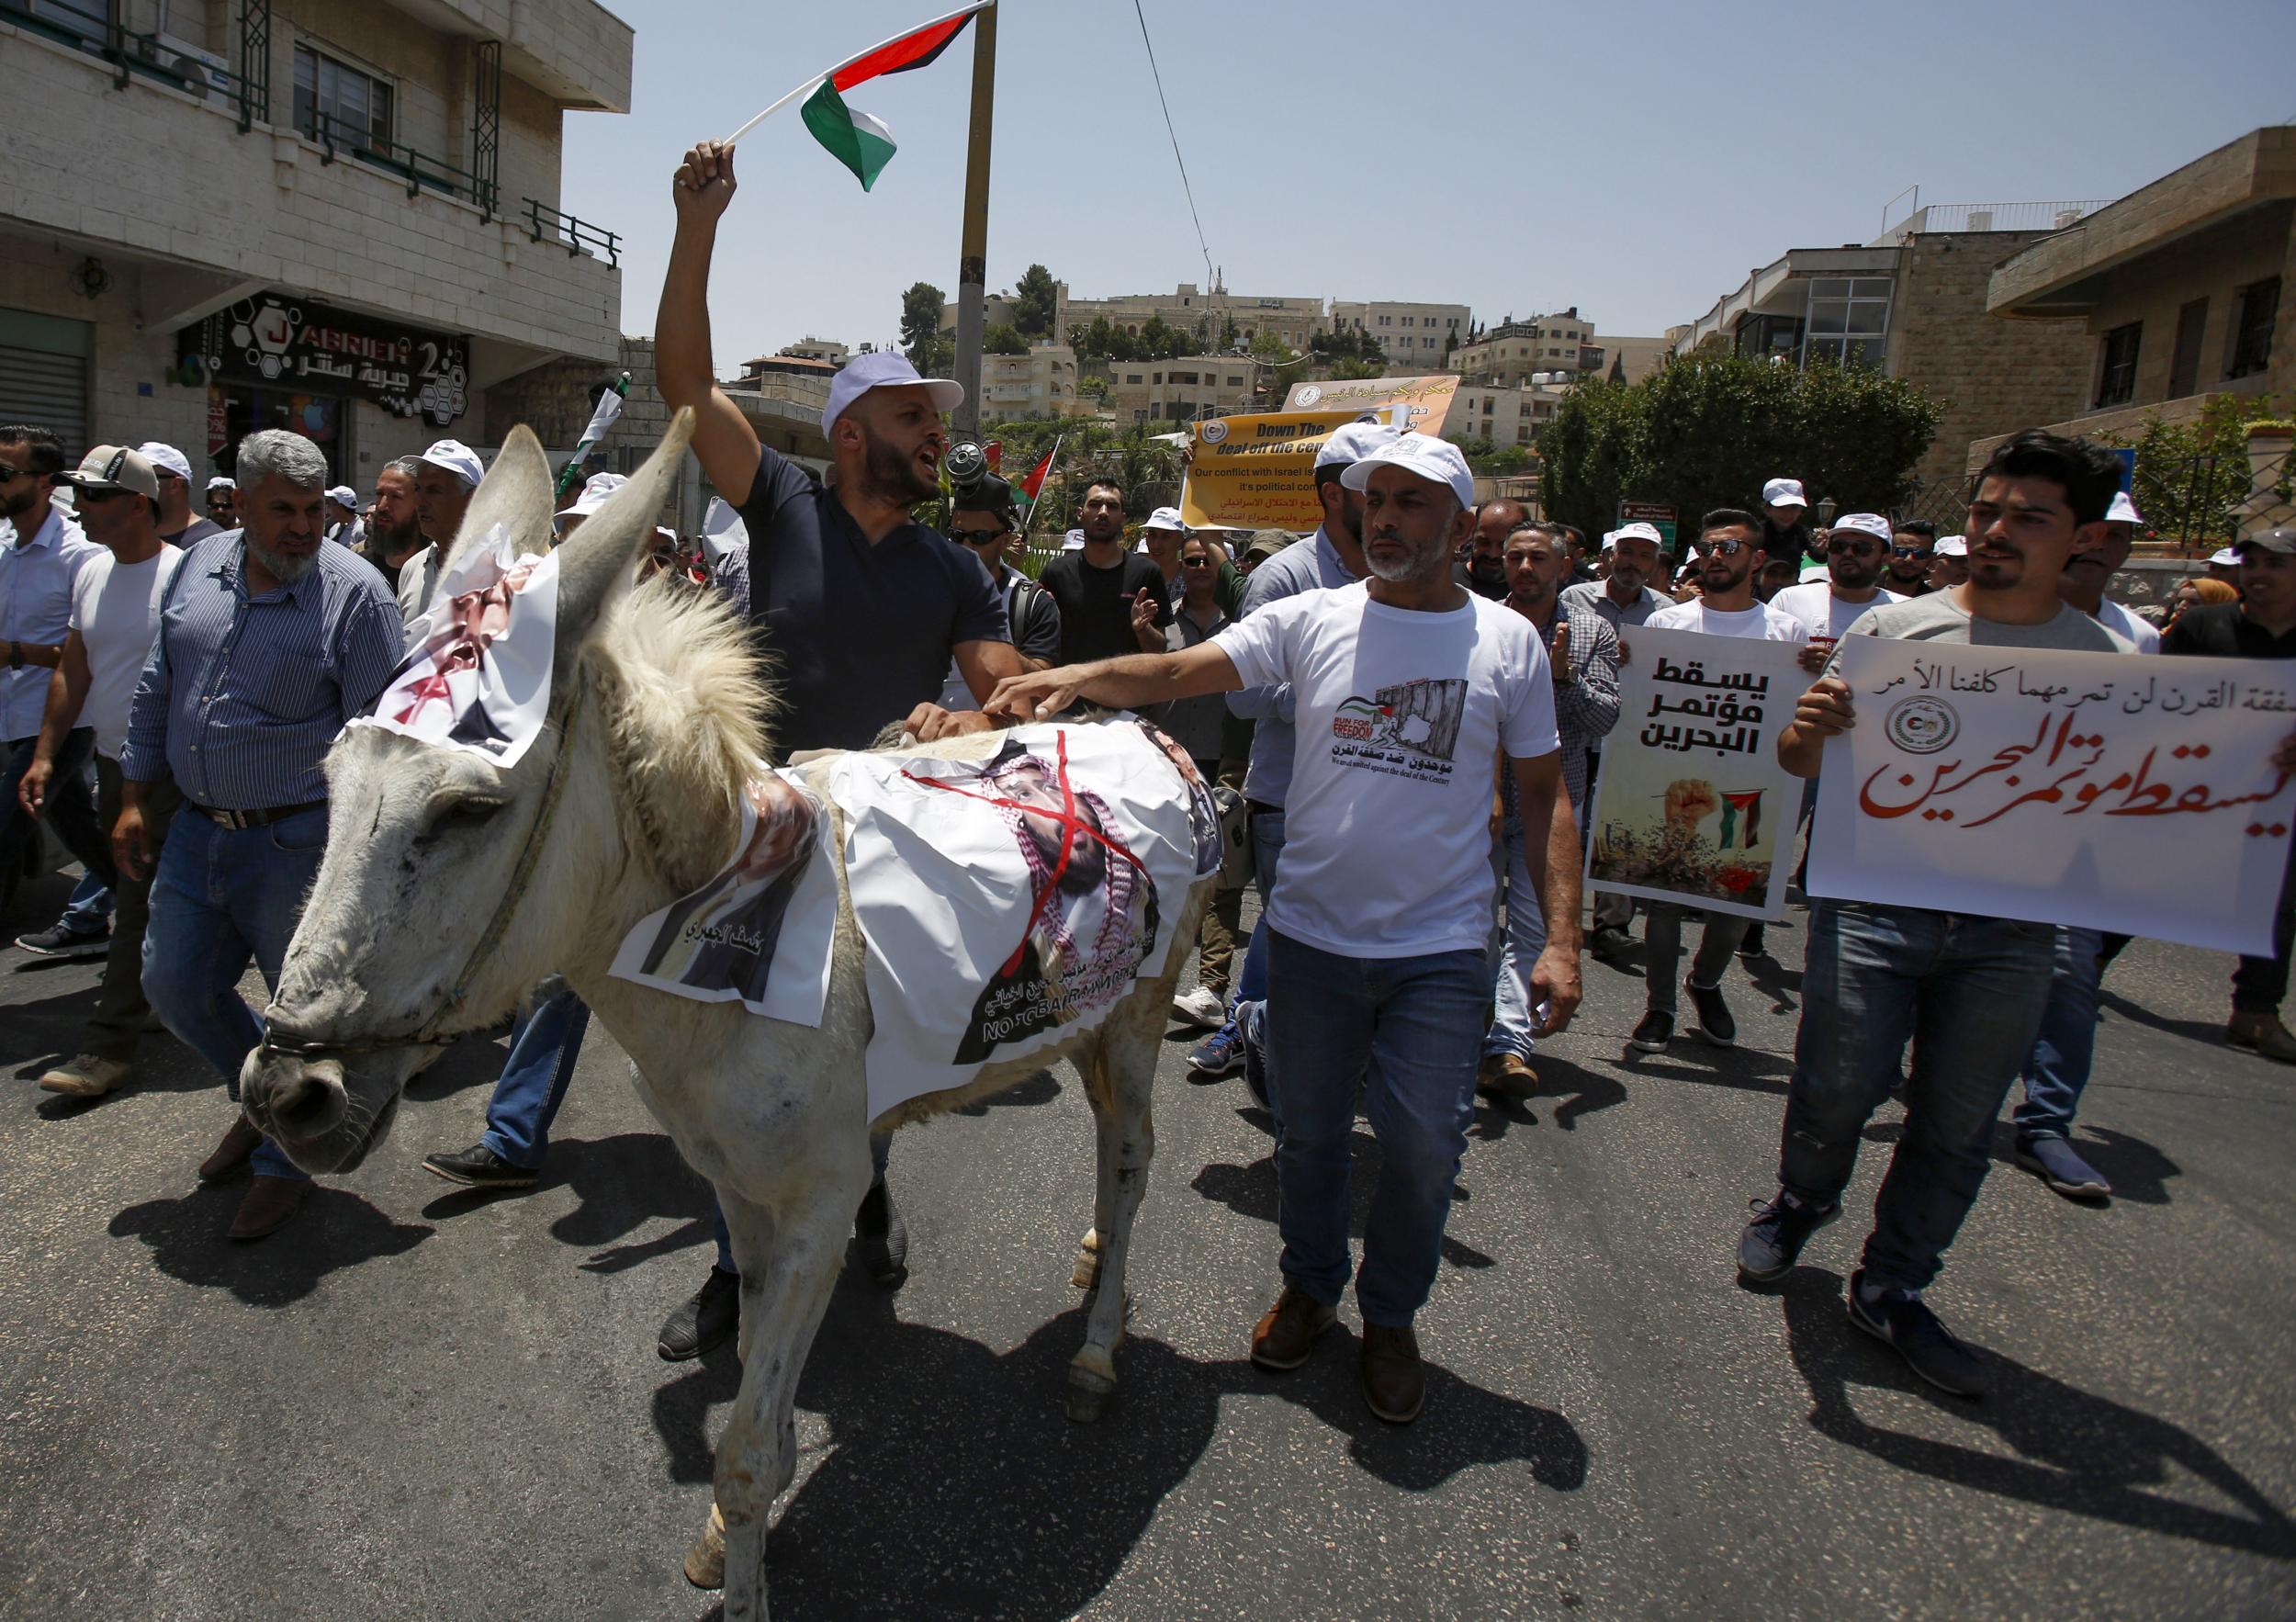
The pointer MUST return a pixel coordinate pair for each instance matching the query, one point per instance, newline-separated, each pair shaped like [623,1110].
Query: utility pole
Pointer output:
[972,252]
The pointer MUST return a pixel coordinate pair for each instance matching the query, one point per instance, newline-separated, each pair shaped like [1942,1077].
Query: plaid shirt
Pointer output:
[1586,707]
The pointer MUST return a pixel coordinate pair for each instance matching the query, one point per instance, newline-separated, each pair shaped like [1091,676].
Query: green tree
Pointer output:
[1230,333]
[1706,431]
[1036,302]
[921,308]
[1004,339]
[2191,474]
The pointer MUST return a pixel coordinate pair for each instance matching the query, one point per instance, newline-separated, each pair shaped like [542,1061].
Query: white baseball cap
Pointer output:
[1074,541]
[1637,531]
[1165,518]
[1812,572]
[1423,456]
[2122,511]
[2228,556]
[457,458]
[1350,442]
[220,483]
[165,458]
[1952,546]
[1867,524]
[884,369]
[595,489]
[343,495]
[1783,492]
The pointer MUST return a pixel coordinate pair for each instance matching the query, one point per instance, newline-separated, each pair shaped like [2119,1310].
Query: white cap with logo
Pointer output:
[1783,492]
[2122,511]
[885,369]
[220,482]
[1165,518]
[1866,524]
[1438,461]
[166,458]
[343,495]
[2227,558]
[1350,442]
[1952,546]
[595,489]
[1637,531]
[115,468]
[457,458]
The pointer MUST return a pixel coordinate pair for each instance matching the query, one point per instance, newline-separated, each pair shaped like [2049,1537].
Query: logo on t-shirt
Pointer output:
[1406,730]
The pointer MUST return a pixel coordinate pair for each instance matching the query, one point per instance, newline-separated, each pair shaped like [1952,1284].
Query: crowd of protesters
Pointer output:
[173,683]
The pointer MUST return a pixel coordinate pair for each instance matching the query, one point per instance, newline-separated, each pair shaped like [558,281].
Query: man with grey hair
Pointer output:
[394,536]
[269,641]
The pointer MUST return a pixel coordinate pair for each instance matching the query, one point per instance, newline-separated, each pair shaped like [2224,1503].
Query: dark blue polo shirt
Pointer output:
[860,635]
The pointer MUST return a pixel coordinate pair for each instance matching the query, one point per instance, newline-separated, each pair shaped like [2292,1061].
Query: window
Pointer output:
[1849,320]
[2184,358]
[2252,327]
[1131,376]
[2116,373]
[339,102]
[1383,320]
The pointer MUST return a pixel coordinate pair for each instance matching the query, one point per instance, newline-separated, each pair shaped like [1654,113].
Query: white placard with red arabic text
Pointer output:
[2131,795]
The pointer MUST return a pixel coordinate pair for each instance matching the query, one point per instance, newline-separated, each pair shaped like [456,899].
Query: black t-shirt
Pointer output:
[1096,603]
[2220,630]
[860,634]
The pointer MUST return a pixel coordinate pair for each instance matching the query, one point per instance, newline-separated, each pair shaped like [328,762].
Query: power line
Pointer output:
[1185,189]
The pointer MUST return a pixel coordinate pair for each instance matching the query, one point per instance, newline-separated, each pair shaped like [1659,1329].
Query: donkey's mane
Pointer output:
[687,718]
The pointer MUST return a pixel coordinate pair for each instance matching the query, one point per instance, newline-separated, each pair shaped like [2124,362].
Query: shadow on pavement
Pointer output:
[1250,1190]
[476,1060]
[2211,1032]
[1029,1090]
[1747,1070]
[2137,1171]
[1579,1090]
[335,1229]
[954,1485]
[2075,1452]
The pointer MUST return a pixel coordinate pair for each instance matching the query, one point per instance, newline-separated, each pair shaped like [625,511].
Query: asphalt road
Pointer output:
[416,1402]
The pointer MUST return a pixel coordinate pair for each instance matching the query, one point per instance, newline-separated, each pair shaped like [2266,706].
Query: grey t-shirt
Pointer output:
[1936,618]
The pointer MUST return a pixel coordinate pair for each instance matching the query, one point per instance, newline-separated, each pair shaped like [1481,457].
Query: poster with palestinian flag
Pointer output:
[1691,805]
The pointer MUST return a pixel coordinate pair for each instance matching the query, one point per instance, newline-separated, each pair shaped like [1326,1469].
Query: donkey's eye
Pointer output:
[457,815]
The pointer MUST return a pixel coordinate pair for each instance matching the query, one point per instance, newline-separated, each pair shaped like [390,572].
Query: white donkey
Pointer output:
[451,886]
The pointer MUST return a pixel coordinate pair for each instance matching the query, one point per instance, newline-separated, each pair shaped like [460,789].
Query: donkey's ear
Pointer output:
[599,561]
[515,493]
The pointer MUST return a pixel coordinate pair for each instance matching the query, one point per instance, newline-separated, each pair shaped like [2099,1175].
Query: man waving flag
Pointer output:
[858,140]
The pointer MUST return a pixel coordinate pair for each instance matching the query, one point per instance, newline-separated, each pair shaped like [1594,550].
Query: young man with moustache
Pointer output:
[1406,689]
[1974,988]
[1912,548]
[1111,602]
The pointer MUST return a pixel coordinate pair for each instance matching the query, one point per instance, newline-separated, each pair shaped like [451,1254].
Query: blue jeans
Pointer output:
[1267,849]
[89,908]
[1407,1030]
[69,810]
[545,1043]
[1524,938]
[880,1150]
[220,896]
[1969,994]
[2058,1068]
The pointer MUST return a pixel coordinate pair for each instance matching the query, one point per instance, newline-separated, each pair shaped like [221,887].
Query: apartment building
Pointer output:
[1416,338]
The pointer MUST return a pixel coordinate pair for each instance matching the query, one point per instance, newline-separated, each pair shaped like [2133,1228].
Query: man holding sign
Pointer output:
[1970,988]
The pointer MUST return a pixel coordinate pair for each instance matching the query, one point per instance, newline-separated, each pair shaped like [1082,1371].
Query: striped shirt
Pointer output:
[243,695]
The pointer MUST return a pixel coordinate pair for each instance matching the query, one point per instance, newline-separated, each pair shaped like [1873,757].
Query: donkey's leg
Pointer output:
[1123,1071]
[789,1265]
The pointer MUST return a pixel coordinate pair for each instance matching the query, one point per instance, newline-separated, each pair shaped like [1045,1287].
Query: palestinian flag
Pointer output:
[1033,484]
[855,139]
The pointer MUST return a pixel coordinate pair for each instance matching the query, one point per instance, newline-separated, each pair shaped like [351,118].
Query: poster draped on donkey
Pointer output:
[2135,796]
[1256,471]
[1691,805]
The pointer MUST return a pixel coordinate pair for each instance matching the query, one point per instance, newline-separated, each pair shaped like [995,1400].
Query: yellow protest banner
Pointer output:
[1256,471]
[1428,399]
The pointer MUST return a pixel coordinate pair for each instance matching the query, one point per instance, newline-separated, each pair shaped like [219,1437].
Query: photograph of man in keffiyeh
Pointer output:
[724,936]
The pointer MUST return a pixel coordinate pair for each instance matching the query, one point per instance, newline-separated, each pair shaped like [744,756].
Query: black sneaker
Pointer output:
[1773,1242]
[1654,1031]
[59,941]
[705,1320]
[1901,1320]
[1713,1015]
[1251,1033]
[480,1167]
[880,1239]
[1612,946]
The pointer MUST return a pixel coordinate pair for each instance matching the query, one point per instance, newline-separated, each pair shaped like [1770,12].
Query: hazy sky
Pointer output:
[1634,159]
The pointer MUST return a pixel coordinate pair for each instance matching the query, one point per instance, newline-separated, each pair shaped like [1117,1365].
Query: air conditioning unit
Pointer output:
[200,70]
[2064,217]
[1981,219]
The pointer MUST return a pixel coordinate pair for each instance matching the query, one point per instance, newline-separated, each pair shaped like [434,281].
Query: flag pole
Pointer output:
[810,86]
[1037,501]
[972,250]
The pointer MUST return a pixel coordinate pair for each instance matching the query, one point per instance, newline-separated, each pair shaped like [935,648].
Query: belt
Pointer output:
[253,818]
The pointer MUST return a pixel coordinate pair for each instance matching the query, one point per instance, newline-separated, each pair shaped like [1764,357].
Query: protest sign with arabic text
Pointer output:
[2101,790]
[1256,471]
[1426,401]
[1691,805]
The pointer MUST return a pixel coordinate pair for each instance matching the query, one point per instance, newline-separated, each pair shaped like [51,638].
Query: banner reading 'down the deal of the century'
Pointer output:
[2133,795]
[1258,471]
[1691,805]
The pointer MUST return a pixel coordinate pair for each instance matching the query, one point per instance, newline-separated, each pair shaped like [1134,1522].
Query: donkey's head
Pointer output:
[448,881]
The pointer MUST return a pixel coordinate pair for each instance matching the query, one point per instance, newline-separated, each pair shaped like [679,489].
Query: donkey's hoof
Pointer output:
[1086,1277]
[705,1562]
[1089,1393]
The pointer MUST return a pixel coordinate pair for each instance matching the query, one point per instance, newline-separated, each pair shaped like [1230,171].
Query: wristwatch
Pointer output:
[16,656]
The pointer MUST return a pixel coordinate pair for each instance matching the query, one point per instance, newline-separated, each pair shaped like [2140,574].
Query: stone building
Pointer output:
[1042,383]
[1190,309]
[306,213]
[1416,338]
[2176,292]
[1511,353]
[1505,413]
[1180,390]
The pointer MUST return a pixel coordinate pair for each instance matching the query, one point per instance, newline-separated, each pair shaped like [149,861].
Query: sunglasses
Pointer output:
[88,496]
[1195,563]
[1729,548]
[1909,551]
[10,474]
[977,538]
[1853,548]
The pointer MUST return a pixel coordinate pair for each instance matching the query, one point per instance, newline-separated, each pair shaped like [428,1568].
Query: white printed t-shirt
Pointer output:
[1760,623]
[116,609]
[1821,612]
[1401,716]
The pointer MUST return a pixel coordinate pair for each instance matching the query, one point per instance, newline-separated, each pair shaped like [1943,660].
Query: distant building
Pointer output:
[1915,303]
[1511,353]
[2175,293]
[1180,390]
[1505,413]
[1205,317]
[1042,383]
[1416,338]
[812,348]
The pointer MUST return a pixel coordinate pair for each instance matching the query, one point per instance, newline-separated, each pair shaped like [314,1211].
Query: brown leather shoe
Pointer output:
[1286,1334]
[1394,1380]
[232,1152]
[1505,1076]
[267,1204]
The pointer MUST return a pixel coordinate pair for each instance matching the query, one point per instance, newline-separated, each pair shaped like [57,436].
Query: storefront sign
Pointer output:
[290,342]
[2133,795]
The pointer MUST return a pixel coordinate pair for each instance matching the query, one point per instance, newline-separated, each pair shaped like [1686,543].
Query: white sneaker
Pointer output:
[87,1077]
[1201,1007]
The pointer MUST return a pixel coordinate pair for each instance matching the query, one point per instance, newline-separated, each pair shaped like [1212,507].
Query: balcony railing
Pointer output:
[1931,218]
[87,24]
[340,138]
[545,224]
